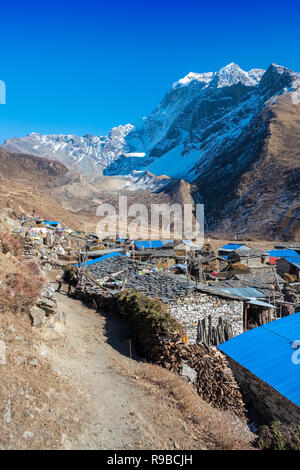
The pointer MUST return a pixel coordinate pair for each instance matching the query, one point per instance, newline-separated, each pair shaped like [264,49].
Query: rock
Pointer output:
[11,328]
[28,434]
[47,305]
[37,316]
[48,292]
[176,446]
[47,267]
[7,412]
[188,373]
[2,352]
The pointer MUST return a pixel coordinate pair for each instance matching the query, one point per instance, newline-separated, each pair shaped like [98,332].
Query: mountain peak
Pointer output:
[204,78]
[232,74]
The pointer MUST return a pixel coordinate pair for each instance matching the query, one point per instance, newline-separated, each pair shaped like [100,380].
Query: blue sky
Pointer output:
[84,67]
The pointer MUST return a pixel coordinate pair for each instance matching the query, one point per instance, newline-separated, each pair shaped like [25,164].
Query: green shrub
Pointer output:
[278,436]
[149,317]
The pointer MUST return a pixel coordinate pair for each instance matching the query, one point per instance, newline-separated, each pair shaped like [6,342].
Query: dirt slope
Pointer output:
[121,403]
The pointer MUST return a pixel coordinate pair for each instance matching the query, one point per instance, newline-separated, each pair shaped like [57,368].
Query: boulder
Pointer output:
[37,316]
[188,373]
[48,305]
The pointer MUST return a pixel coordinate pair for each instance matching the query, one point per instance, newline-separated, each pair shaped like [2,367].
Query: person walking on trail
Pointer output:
[70,289]
[59,286]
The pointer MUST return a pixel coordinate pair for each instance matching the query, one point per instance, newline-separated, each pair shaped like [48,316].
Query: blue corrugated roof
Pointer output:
[246,292]
[151,243]
[101,258]
[232,246]
[294,260]
[51,222]
[282,253]
[267,352]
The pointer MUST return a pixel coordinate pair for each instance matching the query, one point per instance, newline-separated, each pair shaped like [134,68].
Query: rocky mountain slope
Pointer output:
[87,154]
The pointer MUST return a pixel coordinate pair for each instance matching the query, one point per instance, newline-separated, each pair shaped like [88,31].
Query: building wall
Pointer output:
[189,310]
[251,262]
[264,398]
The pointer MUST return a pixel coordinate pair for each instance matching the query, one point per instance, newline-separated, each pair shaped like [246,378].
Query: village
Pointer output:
[242,301]
[221,318]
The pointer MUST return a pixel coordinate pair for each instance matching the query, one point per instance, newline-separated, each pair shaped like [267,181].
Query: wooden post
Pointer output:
[245,316]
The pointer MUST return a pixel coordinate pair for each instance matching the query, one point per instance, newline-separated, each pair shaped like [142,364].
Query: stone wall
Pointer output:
[263,398]
[191,309]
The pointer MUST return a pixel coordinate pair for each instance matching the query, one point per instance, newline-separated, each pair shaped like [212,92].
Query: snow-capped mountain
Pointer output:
[212,130]
[88,154]
[199,116]
[203,113]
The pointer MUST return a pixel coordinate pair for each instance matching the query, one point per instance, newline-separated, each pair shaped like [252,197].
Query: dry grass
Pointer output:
[20,290]
[11,243]
[217,430]
[39,401]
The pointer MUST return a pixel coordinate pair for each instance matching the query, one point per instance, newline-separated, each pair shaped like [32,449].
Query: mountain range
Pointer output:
[232,135]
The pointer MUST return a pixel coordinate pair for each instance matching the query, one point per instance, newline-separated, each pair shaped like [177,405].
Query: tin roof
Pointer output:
[101,258]
[260,303]
[282,253]
[245,292]
[140,244]
[294,260]
[267,352]
[232,246]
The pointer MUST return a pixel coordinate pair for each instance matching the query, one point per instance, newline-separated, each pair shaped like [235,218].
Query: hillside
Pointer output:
[26,186]
[262,197]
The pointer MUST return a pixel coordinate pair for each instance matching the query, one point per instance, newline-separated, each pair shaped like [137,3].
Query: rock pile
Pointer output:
[45,313]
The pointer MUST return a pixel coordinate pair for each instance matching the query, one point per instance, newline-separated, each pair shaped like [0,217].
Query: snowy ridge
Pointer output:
[201,116]
[88,153]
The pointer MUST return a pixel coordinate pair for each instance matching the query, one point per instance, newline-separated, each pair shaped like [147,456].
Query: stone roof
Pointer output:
[118,263]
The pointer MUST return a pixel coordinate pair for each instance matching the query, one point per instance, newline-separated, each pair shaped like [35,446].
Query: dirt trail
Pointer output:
[116,413]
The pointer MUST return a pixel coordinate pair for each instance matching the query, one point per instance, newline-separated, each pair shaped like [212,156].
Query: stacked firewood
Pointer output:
[215,382]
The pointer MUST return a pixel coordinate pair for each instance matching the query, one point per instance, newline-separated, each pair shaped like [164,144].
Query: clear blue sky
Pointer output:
[84,67]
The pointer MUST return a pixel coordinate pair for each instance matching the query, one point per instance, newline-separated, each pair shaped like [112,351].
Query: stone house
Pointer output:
[207,313]
[209,317]
[248,257]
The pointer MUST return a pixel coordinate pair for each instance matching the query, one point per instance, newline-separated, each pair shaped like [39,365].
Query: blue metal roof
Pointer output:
[267,352]
[51,222]
[282,253]
[151,243]
[294,260]
[232,246]
[245,292]
[101,258]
